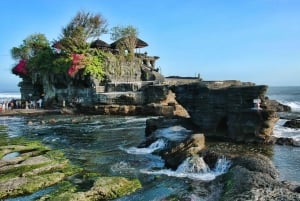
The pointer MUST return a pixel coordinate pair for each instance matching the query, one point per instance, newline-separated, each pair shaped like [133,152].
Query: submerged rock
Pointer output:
[288,141]
[104,188]
[36,167]
[294,123]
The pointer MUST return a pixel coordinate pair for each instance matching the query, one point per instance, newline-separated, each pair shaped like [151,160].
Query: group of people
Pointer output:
[19,104]
[5,105]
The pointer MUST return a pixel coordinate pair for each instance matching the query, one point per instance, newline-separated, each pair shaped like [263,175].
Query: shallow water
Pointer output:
[108,145]
[287,160]
[100,144]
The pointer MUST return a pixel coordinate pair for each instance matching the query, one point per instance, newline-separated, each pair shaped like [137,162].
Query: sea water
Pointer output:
[286,158]
[8,96]
[109,145]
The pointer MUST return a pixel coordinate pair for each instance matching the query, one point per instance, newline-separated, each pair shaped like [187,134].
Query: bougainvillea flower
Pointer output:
[77,64]
[20,68]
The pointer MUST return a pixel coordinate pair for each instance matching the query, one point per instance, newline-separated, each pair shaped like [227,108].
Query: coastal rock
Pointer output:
[255,178]
[284,141]
[275,105]
[152,124]
[227,110]
[106,188]
[256,163]
[176,155]
[294,123]
[35,168]
[288,141]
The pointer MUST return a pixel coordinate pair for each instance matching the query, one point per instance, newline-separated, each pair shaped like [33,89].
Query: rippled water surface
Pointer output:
[100,144]
[108,145]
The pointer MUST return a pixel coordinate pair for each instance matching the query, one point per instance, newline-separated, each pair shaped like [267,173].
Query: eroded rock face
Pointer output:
[254,177]
[191,146]
[227,110]
[275,105]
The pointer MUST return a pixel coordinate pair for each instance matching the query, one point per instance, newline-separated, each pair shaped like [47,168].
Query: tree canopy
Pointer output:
[126,37]
[37,55]
[84,26]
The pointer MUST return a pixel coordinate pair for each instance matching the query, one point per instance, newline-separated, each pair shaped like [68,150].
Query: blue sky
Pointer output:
[247,40]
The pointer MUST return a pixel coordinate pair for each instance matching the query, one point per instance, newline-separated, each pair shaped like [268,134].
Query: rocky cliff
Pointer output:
[227,109]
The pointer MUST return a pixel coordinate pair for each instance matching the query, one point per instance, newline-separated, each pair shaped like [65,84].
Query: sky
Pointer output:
[248,40]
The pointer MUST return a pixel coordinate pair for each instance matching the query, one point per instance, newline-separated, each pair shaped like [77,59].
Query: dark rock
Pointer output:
[275,106]
[294,123]
[257,163]
[254,178]
[155,93]
[226,110]
[176,155]
[285,141]
[210,158]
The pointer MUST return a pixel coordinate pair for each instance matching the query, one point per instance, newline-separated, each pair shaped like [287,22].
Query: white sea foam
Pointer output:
[281,131]
[194,168]
[173,133]
[122,167]
[135,120]
[158,144]
[9,96]
[295,105]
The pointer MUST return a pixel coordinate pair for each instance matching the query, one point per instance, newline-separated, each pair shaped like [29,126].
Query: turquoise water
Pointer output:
[108,145]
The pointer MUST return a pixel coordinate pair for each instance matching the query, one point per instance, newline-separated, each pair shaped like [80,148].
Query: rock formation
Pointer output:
[254,177]
[294,123]
[176,155]
[228,109]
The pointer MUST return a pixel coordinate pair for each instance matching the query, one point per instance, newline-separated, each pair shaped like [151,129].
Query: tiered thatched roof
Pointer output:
[139,43]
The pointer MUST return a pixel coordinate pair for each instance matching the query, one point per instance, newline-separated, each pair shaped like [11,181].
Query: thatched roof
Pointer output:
[99,44]
[139,44]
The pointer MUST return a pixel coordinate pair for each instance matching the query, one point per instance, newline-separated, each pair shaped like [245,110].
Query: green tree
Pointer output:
[83,26]
[126,39]
[30,47]
[39,56]
[94,66]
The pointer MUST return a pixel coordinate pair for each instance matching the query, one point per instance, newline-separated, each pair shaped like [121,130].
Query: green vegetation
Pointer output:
[83,26]
[37,167]
[42,58]
[126,38]
[229,183]
[45,59]
[94,66]
[104,188]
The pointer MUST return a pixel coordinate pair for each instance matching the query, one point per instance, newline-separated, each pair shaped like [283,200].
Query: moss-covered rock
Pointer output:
[33,167]
[104,188]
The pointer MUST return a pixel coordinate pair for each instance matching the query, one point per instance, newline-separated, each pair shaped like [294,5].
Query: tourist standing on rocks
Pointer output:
[39,102]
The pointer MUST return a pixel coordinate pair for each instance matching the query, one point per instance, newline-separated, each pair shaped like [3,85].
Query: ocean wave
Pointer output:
[194,168]
[295,105]
[173,133]
[282,131]
[159,144]
[10,95]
